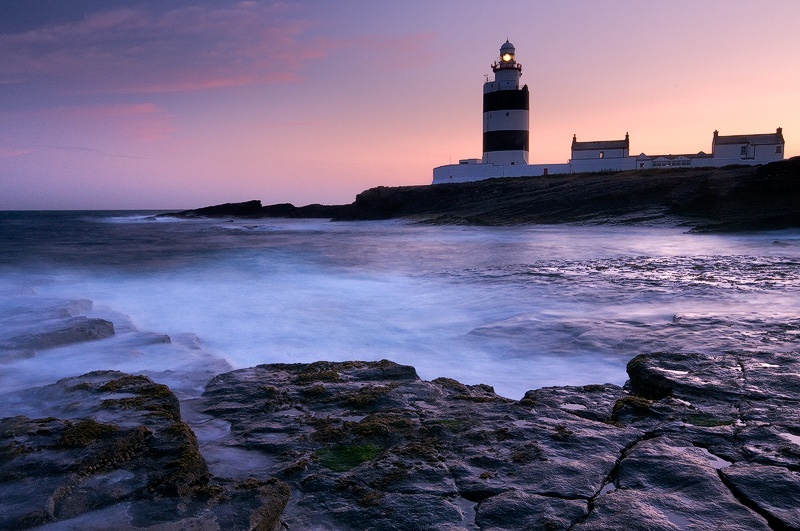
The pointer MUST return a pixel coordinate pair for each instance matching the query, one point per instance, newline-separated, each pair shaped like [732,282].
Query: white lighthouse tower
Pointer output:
[505,112]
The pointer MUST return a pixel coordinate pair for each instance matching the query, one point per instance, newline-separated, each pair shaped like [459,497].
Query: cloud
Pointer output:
[8,152]
[143,51]
[94,151]
[395,53]
[99,124]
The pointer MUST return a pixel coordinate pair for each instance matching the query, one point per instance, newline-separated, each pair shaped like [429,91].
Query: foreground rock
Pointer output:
[722,199]
[692,442]
[118,456]
[699,443]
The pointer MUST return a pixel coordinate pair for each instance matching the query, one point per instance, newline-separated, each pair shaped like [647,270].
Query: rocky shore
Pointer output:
[690,442]
[706,199]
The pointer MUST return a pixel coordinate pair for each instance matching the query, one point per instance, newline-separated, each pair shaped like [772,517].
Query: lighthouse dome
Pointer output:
[507,47]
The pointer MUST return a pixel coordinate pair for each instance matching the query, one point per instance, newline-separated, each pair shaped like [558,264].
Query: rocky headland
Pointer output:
[706,199]
[690,442]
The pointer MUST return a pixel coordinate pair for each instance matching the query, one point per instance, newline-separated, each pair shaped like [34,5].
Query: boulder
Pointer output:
[119,449]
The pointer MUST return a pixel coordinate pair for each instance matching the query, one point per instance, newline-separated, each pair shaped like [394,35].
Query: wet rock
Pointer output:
[738,413]
[664,483]
[514,510]
[691,442]
[66,332]
[593,402]
[371,442]
[117,441]
[31,308]
[773,492]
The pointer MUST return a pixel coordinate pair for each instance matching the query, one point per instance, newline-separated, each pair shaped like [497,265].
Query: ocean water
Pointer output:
[516,308]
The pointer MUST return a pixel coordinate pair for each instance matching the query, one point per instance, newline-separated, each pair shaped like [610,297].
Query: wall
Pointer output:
[582,154]
[728,151]
[766,152]
[760,152]
[462,173]
[604,164]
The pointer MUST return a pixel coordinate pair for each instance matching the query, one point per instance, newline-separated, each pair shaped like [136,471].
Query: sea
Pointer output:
[516,308]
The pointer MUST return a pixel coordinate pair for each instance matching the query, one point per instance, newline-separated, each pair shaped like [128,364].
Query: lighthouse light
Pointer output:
[506,57]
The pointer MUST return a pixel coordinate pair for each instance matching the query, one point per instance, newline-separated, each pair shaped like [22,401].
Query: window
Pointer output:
[743,152]
[675,163]
[778,149]
[602,154]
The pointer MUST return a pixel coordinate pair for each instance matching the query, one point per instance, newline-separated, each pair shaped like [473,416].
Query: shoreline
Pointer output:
[728,199]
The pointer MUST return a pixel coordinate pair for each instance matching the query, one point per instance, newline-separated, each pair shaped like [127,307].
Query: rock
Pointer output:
[253,209]
[664,483]
[245,209]
[30,308]
[64,332]
[371,442]
[34,323]
[514,510]
[739,413]
[119,443]
[692,441]
[774,492]
[593,402]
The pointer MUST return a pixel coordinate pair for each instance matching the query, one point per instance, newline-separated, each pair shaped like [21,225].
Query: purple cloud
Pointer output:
[136,50]
[98,124]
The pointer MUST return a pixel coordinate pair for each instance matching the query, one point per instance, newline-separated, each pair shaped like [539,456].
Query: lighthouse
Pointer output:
[505,112]
[506,139]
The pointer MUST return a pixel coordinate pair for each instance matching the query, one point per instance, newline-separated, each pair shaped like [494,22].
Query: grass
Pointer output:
[706,421]
[344,457]
[86,432]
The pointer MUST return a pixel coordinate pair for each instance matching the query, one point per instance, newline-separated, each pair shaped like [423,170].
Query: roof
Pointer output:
[759,139]
[600,144]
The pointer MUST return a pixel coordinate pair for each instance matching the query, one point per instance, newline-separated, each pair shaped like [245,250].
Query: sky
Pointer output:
[146,104]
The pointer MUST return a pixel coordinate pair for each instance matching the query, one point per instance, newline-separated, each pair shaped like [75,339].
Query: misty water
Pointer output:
[514,307]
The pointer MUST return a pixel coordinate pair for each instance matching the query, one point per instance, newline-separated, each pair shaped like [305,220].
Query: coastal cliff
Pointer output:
[722,199]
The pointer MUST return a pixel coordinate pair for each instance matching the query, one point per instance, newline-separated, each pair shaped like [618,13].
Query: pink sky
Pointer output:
[166,105]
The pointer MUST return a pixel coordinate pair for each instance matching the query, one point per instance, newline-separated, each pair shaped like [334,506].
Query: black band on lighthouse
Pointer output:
[506,100]
[505,141]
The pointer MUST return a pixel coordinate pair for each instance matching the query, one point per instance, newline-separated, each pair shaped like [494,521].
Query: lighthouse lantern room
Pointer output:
[505,112]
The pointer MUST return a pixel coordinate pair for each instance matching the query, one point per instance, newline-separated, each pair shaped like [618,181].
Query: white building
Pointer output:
[759,148]
[506,110]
